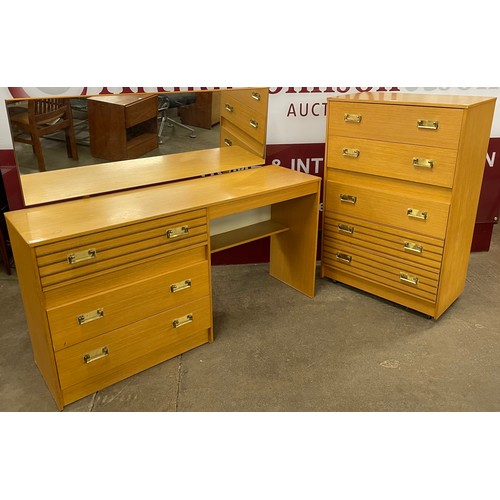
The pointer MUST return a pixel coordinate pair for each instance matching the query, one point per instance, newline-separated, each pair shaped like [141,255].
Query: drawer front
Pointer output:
[81,257]
[103,356]
[377,268]
[141,110]
[428,165]
[250,121]
[78,290]
[100,313]
[418,250]
[416,215]
[256,98]
[424,125]
[231,136]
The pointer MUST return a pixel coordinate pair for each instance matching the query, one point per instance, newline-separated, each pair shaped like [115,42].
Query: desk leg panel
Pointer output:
[293,252]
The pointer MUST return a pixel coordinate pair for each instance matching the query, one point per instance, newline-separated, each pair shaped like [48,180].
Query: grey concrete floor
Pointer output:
[276,350]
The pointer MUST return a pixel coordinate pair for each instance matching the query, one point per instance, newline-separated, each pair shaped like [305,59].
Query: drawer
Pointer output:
[416,215]
[83,256]
[254,98]
[403,277]
[428,165]
[141,110]
[420,251]
[99,313]
[58,295]
[424,125]
[97,359]
[250,121]
[232,136]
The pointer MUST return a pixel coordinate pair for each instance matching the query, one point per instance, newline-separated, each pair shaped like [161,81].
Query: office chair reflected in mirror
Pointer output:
[43,118]
[171,101]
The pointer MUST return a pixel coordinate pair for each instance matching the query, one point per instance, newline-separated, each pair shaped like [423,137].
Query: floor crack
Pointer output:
[178,383]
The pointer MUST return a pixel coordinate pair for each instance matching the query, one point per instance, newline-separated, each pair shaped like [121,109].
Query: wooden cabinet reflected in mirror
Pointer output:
[125,126]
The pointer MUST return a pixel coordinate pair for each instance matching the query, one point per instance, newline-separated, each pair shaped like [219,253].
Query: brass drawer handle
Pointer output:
[256,96]
[181,285]
[229,107]
[406,278]
[90,316]
[428,124]
[347,198]
[178,231]
[351,153]
[416,214]
[344,257]
[344,228]
[413,247]
[73,258]
[423,162]
[177,323]
[228,142]
[96,354]
[352,118]
[254,123]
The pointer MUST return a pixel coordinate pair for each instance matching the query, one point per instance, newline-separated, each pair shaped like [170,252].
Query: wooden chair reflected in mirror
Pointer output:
[43,118]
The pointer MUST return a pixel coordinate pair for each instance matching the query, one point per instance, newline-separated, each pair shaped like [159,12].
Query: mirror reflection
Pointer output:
[54,133]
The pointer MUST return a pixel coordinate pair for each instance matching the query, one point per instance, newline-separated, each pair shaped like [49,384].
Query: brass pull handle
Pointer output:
[413,247]
[344,228]
[73,258]
[184,320]
[181,285]
[406,278]
[90,316]
[423,162]
[96,354]
[178,231]
[351,153]
[254,123]
[343,257]
[229,107]
[347,198]
[416,214]
[352,118]
[428,124]
[256,96]
[228,142]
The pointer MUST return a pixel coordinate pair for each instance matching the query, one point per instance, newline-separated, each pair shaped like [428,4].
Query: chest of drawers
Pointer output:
[243,119]
[401,188]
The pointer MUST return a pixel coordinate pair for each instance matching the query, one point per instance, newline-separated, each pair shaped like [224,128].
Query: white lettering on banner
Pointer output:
[491,160]
[300,165]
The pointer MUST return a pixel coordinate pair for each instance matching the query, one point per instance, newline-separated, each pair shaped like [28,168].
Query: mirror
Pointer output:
[159,124]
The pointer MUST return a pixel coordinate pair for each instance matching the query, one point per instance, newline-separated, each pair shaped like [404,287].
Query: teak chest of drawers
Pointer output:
[116,283]
[402,183]
[243,119]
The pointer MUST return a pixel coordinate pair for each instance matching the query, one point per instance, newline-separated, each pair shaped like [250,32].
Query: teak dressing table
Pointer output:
[118,279]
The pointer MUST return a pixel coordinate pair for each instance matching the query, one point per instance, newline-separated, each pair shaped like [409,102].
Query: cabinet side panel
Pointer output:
[36,318]
[465,197]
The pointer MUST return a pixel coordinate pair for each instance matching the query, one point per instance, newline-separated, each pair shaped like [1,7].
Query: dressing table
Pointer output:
[114,261]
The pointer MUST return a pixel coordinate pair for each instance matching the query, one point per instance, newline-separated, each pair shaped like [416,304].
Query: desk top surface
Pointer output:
[77,182]
[121,99]
[50,223]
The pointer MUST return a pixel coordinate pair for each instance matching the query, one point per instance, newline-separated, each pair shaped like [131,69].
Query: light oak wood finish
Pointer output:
[390,153]
[244,119]
[107,291]
[78,182]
